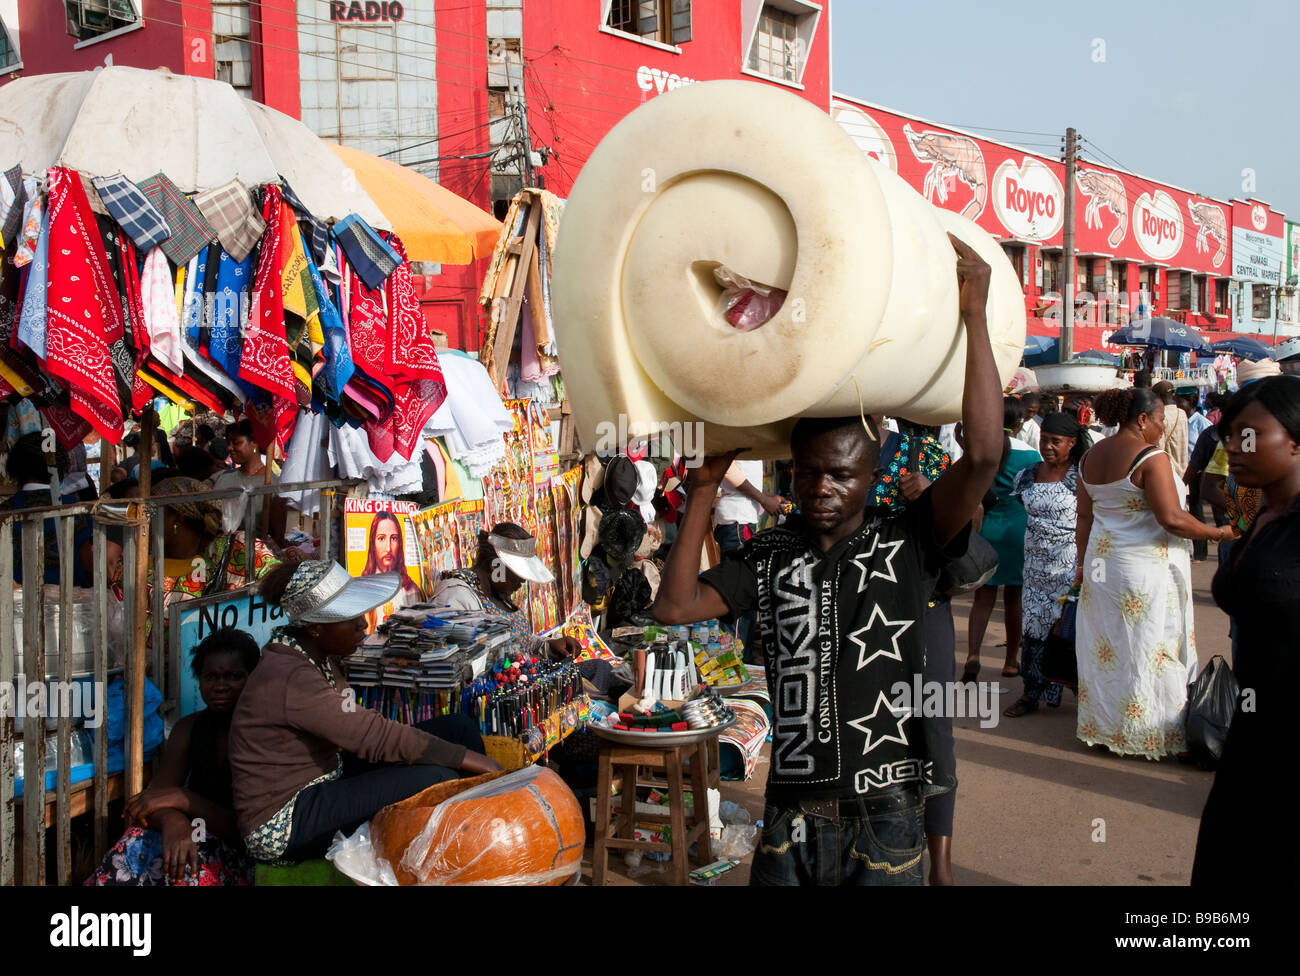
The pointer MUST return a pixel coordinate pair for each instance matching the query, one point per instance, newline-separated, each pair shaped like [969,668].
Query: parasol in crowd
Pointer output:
[433,223]
[1243,347]
[1097,356]
[1040,349]
[1289,349]
[1160,333]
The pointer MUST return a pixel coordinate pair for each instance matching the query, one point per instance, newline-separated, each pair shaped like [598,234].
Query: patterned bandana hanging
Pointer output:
[84,312]
[265,359]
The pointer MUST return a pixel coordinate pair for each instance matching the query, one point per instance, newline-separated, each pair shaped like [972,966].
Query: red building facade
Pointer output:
[1138,243]
[513,93]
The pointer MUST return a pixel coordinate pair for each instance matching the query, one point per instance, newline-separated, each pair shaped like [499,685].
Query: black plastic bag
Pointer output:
[1211,702]
[1060,662]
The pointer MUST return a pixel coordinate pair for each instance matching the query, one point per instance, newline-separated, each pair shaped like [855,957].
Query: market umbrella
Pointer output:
[1244,348]
[1038,349]
[1160,333]
[433,223]
[1098,355]
[1289,349]
[199,132]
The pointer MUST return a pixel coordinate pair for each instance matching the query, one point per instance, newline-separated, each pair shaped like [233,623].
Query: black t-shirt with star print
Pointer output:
[843,635]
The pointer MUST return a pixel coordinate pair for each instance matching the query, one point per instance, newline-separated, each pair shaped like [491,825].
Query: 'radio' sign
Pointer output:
[366,11]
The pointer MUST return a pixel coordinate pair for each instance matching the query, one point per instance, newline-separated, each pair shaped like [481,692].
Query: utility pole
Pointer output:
[1067,319]
[521,107]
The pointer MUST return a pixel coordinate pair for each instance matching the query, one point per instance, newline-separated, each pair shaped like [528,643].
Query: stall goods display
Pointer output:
[520,828]
[765,185]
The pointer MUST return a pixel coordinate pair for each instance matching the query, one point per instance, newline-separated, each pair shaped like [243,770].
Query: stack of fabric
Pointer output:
[116,291]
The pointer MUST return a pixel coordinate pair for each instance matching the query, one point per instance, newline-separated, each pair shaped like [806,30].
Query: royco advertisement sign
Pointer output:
[1258,243]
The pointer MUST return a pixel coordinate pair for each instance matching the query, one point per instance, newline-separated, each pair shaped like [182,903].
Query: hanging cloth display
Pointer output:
[368,254]
[190,233]
[265,354]
[158,295]
[337,366]
[84,315]
[31,324]
[230,213]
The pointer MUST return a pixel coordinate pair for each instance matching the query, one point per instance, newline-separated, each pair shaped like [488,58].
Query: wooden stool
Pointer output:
[678,763]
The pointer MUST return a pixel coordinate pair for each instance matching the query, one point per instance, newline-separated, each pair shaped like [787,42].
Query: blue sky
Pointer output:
[1189,93]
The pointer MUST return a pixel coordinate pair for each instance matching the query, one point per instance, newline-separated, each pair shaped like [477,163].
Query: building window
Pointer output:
[1261,301]
[777,50]
[88,19]
[1016,255]
[9,56]
[1053,280]
[367,53]
[1199,293]
[232,45]
[665,21]
[1221,296]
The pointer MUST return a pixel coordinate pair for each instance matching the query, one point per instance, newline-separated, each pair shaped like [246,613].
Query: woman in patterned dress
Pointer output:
[1047,490]
[1003,526]
[1135,641]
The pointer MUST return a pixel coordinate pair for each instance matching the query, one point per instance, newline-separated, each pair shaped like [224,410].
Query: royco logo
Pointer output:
[1158,225]
[1259,216]
[1028,199]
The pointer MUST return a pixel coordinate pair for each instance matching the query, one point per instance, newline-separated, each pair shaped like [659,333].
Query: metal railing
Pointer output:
[142,547]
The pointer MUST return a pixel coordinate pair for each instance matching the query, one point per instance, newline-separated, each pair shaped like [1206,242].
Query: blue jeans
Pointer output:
[731,538]
[799,848]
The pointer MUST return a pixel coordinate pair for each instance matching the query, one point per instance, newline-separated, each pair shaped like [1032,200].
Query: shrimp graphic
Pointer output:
[1104,190]
[950,155]
[1210,222]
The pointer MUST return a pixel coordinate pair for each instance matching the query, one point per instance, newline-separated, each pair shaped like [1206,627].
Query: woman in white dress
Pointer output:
[1135,640]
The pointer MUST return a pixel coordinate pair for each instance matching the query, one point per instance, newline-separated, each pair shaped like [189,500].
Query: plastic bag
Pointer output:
[520,828]
[743,303]
[1211,702]
[737,841]
[355,857]
[734,813]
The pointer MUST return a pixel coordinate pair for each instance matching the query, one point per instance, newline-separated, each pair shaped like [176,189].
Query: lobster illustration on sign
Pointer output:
[950,156]
[1210,222]
[1104,190]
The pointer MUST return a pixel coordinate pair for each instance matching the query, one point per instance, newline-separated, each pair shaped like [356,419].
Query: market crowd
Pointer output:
[1085,512]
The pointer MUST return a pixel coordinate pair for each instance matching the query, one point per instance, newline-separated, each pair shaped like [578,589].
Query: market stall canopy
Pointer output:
[433,223]
[199,132]
[1244,348]
[1160,333]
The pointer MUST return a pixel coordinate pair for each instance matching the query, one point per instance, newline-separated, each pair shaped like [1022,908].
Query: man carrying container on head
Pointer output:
[840,593]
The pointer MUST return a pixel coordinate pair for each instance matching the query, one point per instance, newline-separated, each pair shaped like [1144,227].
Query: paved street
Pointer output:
[1030,791]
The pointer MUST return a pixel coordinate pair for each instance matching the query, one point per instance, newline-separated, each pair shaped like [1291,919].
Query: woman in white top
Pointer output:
[1135,640]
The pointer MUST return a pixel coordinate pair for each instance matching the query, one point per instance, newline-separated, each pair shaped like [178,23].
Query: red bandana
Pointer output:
[411,360]
[265,361]
[84,313]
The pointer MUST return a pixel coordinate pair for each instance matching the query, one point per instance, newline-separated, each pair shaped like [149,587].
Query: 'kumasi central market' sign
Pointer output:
[366,11]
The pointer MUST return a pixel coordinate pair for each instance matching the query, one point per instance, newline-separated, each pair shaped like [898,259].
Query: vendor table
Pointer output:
[688,762]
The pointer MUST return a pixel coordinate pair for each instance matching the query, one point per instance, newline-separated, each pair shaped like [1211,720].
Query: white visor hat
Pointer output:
[323,593]
[520,557]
